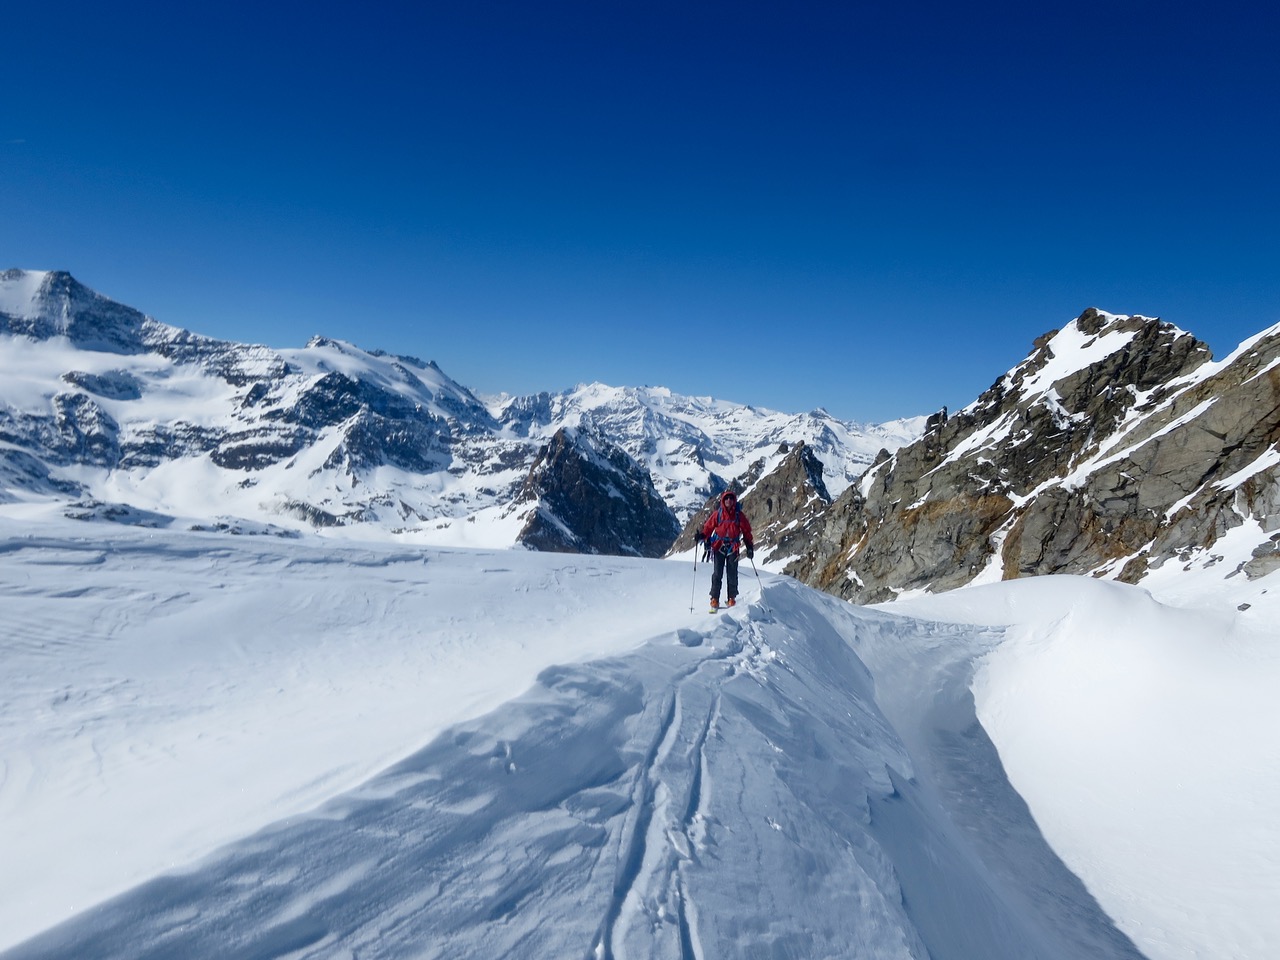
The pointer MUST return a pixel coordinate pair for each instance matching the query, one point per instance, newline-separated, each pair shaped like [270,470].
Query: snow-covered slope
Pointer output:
[295,747]
[1142,734]
[126,418]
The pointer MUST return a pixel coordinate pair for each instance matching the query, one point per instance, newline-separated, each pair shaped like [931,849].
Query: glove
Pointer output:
[751,552]
[697,537]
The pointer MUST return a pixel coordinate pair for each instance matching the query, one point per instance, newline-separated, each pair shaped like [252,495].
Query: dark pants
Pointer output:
[722,565]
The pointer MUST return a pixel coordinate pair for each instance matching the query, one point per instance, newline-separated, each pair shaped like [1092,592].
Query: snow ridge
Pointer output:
[680,786]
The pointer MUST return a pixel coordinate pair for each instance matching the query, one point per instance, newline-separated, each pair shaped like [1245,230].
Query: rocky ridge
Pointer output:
[776,497]
[1116,447]
[585,495]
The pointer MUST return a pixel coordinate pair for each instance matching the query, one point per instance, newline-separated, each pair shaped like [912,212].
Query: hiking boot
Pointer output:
[731,602]
[715,603]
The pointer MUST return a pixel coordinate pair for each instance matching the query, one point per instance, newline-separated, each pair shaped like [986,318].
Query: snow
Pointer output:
[422,384]
[731,436]
[32,370]
[297,747]
[1141,732]
[1072,350]
[173,401]
[19,293]
[147,674]
[1267,459]
[413,742]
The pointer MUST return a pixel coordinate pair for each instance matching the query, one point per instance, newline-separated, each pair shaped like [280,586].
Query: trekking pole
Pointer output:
[760,583]
[694,589]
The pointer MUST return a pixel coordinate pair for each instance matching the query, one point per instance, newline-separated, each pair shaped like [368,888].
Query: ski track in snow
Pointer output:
[729,788]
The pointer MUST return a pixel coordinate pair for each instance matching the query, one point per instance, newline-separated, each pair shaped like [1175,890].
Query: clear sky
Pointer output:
[870,207]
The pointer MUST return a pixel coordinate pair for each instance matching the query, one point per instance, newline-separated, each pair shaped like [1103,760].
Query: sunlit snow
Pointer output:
[294,747]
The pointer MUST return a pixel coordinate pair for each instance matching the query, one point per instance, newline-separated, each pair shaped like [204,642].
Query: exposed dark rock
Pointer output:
[417,444]
[259,448]
[778,504]
[159,443]
[85,432]
[117,513]
[589,496]
[312,514]
[113,385]
[67,308]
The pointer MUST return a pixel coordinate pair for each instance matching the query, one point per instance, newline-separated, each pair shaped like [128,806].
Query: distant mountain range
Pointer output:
[108,414]
[1117,447]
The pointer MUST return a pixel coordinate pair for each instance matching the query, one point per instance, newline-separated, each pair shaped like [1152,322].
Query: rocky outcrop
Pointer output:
[789,494]
[584,495]
[1115,447]
[778,497]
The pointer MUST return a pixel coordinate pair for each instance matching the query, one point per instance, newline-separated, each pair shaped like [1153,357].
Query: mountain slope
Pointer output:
[778,494]
[691,445]
[584,495]
[1116,447]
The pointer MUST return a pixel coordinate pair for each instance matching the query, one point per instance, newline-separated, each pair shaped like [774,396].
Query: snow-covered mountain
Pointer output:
[126,418]
[1117,447]
[685,440]
[218,745]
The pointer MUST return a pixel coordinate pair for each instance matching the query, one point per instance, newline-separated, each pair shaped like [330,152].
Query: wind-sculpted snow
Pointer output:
[1158,721]
[793,778]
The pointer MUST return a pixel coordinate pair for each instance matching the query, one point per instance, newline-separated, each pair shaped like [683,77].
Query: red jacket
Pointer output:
[725,529]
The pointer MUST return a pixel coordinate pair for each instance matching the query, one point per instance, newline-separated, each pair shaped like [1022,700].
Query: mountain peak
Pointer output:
[20,292]
[46,304]
[1112,448]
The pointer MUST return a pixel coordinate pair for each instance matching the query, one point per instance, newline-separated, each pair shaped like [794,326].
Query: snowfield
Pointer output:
[257,746]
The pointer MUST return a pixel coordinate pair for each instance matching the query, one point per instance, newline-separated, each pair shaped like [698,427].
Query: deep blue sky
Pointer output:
[869,207]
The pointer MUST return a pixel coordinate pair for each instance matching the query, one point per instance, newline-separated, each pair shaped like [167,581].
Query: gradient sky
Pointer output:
[874,208]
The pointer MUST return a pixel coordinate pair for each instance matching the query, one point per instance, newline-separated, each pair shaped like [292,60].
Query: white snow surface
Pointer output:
[1142,733]
[18,294]
[216,745]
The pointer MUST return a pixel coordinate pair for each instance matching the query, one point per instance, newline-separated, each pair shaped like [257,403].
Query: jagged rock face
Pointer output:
[778,501]
[792,491]
[1116,446]
[588,496]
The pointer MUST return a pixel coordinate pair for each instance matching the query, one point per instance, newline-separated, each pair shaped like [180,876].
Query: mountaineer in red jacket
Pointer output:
[724,532]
